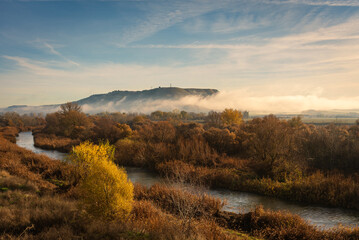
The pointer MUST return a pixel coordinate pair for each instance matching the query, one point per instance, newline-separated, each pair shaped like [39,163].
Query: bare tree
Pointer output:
[70,107]
[190,200]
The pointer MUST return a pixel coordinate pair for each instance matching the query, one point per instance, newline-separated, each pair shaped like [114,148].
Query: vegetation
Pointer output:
[281,158]
[39,199]
[39,169]
[103,186]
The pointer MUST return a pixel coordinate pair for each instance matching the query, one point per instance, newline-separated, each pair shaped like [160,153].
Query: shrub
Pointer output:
[105,190]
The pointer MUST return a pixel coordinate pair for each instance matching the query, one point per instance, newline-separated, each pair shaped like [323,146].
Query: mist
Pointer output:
[242,100]
[239,99]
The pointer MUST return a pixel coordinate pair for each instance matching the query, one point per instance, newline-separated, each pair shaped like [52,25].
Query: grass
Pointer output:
[323,121]
[52,142]
[29,215]
[32,207]
[335,190]
[9,133]
[34,167]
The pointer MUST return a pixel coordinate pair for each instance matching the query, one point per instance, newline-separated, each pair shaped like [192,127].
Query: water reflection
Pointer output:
[236,201]
[26,140]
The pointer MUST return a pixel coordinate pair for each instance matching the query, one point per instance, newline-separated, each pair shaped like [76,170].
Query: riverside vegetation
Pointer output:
[286,159]
[42,198]
[282,158]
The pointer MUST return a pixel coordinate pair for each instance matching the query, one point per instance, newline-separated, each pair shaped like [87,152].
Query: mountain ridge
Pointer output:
[125,100]
[173,93]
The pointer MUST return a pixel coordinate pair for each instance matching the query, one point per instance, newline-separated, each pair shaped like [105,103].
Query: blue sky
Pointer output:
[301,52]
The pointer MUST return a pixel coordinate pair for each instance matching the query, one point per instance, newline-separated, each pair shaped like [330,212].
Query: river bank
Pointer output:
[155,213]
[236,201]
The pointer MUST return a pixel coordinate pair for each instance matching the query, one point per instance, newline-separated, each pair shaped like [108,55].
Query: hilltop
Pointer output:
[165,99]
[169,93]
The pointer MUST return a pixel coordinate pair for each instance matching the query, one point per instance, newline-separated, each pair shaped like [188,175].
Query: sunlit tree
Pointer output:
[105,190]
[231,116]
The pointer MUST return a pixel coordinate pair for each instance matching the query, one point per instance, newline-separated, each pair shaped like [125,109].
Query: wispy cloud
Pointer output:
[52,49]
[55,52]
[274,51]
[35,67]
[161,15]
[349,3]
[324,51]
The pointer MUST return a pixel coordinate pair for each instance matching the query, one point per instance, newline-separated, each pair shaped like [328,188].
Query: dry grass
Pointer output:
[177,200]
[8,181]
[9,133]
[161,225]
[52,142]
[27,215]
[159,212]
[336,190]
[39,169]
[31,208]
[278,225]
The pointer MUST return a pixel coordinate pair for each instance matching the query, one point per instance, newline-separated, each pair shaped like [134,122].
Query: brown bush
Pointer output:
[40,169]
[9,133]
[53,142]
[167,198]
[281,225]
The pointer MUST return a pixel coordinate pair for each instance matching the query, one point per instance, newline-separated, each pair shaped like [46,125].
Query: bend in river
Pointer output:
[236,201]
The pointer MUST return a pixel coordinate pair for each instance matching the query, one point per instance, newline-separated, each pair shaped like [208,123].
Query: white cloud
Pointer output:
[278,73]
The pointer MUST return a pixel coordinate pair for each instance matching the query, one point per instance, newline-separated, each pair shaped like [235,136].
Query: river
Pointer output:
[236,201]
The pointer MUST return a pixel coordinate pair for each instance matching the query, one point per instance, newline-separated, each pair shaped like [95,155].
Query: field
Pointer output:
[337,121]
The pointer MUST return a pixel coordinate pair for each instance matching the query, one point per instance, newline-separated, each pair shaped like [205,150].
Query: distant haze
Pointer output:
[202,100]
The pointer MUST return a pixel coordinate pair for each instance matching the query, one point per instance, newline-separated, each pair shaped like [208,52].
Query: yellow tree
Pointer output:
[104,188]
[231,116]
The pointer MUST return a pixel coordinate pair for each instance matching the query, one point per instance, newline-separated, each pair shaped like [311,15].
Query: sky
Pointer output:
[281,55]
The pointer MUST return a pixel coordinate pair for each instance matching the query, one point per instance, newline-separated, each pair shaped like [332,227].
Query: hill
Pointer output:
[165,99]
[171,93]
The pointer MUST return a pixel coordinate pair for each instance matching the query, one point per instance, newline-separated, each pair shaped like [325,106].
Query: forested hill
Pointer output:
[165,99]
[170,93]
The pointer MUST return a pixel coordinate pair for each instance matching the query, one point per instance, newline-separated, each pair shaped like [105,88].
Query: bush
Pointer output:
[105,190]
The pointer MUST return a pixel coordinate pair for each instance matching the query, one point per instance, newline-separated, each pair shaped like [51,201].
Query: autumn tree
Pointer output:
[221,139]
[53,123]
[104,188]
[329,147]
[13,119]
[214,119]
[269,141]
[189,130]
[69,107]
[107,129]
[69,121]
[231,116]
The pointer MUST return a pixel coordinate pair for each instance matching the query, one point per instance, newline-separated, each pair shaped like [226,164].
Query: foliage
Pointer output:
[34,208]
[271,143]
[105,189]
[231,116]
[229,150]
[68,122]
[106,129]
[34,167]
[51,142]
